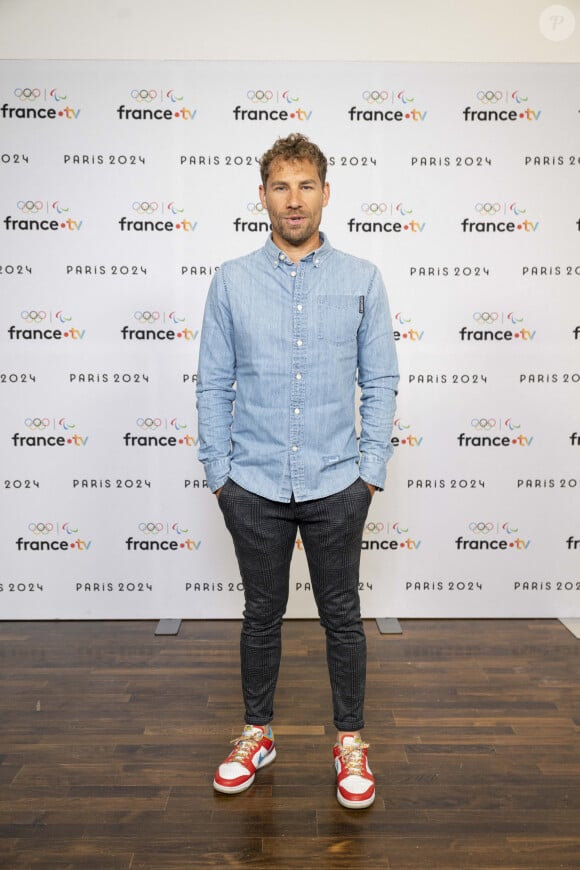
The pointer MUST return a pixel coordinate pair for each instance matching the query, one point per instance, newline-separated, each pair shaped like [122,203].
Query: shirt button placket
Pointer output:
[299,351]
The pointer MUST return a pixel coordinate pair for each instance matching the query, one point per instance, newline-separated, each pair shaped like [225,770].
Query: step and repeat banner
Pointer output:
[124,185]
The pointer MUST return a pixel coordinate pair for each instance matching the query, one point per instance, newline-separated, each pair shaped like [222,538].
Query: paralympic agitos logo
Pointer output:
[53,537]
[40,103]
[38,214]
[50,432]
[496,105]
[150,104]
[494,432]
[387,105]
[39,325]
[288,105]
[158,217]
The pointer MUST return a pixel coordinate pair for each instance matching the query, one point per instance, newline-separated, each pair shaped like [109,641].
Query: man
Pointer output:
[287,332]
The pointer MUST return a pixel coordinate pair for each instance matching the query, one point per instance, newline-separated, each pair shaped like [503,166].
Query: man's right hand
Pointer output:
[217,492]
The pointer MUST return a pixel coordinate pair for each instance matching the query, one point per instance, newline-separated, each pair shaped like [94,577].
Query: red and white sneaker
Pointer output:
[354,778]
[254,749]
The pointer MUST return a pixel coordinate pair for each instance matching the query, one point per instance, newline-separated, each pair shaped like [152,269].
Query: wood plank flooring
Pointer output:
[109,737]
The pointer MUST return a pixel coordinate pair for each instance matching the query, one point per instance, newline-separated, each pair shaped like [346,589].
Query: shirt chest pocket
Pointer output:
[338,318]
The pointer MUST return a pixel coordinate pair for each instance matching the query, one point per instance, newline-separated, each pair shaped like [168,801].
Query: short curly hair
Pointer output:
[293,147]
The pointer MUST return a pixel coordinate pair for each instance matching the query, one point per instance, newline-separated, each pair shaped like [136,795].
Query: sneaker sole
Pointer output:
[236,789]
[354,805]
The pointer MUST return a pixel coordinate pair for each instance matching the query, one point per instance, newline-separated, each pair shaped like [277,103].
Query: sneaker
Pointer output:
[254,749]
[355,781]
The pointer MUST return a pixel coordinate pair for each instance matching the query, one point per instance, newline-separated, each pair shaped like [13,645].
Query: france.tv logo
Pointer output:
[287,103]
[151,433]
[45,325]
[37,214]
[487,535]
[385,217]
[493,216]
[42,103]
[383,104]
[158,326]
[490,326]
[162,536]
[150,104]
[51,537]
[378,535]
[404,436]
[405,330]
[495,432]
[501,105]
[152,216]
[50,432]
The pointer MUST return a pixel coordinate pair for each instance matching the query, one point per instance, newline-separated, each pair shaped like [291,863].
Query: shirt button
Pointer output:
[299,307]
[298,376]
[294,448]
[296,410]
[299,342]
[293,274]
[281,256]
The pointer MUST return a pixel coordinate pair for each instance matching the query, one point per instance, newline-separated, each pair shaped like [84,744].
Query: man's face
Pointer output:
[294,197]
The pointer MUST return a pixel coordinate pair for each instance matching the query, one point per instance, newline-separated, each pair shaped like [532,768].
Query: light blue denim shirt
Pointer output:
[282,348]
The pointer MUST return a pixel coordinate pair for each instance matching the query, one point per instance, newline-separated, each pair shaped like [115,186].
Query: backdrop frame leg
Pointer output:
[389,625]
[168,626]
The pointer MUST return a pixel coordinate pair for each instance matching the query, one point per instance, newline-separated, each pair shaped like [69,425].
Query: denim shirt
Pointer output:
[282,348]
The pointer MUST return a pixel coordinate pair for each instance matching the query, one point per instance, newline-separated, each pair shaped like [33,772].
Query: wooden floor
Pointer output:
[109,737]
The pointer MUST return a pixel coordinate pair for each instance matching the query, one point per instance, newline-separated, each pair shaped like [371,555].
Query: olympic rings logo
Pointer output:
[27,93]
[255,208]
[145,207]
[375,528]
[483,423]
[485,316]
[33,316]
[259,96]
[481,528]
[150,528]
[143,95]
[489,96]
[37,422]
[149,422]
[376,97]
[146,316]
[40,528]
[488,207]
[29,207]
[374,207]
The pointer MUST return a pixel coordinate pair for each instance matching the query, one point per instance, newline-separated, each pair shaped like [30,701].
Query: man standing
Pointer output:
[288,331]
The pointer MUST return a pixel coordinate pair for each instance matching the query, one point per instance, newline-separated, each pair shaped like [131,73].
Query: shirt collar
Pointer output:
[276,256]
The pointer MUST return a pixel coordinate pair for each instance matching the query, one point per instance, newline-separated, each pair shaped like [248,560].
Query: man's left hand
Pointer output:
[372,488]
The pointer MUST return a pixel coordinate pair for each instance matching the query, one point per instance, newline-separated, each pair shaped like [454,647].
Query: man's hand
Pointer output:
[372,488]
[217,492]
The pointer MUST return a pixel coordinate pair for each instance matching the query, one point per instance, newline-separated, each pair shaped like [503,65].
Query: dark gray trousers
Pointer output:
[264,536]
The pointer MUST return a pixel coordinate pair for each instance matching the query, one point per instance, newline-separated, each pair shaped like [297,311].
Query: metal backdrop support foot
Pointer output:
[389,625]
[573,625]
[168,626]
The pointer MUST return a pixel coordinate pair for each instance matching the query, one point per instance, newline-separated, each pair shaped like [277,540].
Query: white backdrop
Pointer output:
[461,181]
